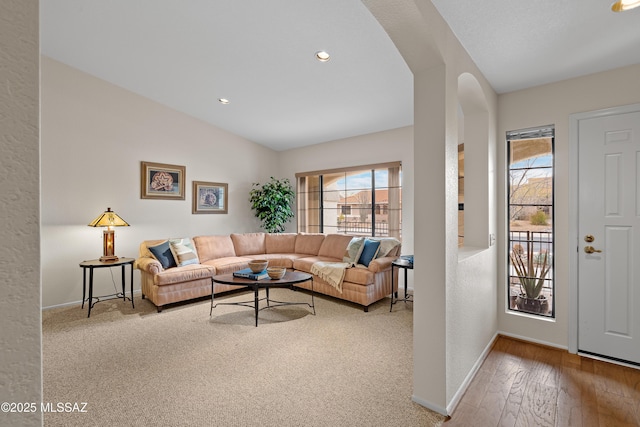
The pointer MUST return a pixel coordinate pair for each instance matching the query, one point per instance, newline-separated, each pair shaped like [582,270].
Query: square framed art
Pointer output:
[209,197]
[162,181]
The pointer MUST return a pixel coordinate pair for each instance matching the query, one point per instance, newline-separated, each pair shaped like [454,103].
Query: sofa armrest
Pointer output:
[150,265]
[381,264]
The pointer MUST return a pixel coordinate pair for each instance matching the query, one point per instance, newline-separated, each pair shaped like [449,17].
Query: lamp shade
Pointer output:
[108,219]
[622,5]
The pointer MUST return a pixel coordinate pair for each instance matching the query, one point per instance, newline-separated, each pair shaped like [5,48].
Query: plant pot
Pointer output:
[512,301]
[539,305]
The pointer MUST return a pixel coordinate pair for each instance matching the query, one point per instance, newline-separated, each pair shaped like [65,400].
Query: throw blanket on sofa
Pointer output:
[331,272]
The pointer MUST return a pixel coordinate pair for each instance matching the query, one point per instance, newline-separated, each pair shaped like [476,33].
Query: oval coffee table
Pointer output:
[289,279]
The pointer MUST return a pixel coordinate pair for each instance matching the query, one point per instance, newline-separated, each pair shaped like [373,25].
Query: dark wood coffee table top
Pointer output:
[289,278]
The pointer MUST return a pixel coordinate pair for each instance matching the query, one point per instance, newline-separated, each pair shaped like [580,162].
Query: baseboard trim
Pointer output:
[455,400]
[79,302]
[532,340]
[429,405]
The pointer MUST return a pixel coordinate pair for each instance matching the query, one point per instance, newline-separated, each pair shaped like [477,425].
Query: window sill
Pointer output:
[466,252]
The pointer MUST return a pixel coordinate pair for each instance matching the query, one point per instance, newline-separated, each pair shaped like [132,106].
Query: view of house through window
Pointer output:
[363,200]
[530,209]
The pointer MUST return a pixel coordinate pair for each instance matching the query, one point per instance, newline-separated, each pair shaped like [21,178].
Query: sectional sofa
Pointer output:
[201,257]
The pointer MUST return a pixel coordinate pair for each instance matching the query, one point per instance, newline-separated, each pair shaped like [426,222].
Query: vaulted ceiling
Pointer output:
[261,56]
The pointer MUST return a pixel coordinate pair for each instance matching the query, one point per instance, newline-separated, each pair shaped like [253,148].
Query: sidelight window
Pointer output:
[531,227]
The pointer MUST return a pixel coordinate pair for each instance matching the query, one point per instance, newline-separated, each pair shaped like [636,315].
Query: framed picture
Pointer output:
[209,197]
[162,181]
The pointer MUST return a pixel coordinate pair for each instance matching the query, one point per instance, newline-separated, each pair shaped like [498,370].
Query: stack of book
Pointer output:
[248,274]
[408,258]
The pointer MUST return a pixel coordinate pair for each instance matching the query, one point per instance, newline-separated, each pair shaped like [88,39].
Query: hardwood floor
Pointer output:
[524,384]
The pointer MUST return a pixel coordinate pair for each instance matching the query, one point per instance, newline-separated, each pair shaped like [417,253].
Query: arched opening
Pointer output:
[473,164]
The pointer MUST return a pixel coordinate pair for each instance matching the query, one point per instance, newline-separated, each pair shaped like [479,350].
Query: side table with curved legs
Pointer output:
[95,263]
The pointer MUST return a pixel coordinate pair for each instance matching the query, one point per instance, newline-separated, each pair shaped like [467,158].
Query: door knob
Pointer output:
[591,249]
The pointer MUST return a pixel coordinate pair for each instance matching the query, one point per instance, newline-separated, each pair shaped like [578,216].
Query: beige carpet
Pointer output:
[135,367]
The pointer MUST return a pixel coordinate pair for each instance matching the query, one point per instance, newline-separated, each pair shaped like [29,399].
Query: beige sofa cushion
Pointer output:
[213,247]
[334,246]
[361,276]
[228,265]
[309,243]
[280,243]
[183,274]
[248,243]
[304,264]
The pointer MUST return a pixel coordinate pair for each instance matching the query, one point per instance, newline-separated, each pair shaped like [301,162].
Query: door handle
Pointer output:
[591,249]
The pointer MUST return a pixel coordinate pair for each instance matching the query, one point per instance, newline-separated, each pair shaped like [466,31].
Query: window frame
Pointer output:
[310,201]
[542,132]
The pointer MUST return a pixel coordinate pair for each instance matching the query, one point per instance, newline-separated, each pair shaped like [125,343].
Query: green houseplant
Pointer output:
[531,271]
[273,202]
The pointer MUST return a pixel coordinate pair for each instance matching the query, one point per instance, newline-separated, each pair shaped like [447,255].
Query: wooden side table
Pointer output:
[95,263]
[406,264]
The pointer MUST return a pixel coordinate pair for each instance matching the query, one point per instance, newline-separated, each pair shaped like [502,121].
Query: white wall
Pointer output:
[543,105]
[94,136]
[20,334]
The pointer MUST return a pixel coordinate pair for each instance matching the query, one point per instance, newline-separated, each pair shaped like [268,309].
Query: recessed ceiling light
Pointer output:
[622,5]
[323,56]
[224,101]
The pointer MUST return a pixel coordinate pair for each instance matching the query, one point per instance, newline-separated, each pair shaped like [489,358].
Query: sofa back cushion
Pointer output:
[280,243]
[334,245]
[213,247]
[309,244]
[249,243]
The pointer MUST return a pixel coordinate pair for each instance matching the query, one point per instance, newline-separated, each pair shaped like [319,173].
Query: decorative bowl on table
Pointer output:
[258,265]
[276,272]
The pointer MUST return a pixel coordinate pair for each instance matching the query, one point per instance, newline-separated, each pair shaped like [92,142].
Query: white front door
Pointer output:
[609,235]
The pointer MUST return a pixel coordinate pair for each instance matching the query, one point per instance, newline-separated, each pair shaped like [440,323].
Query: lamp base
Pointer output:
[111,258]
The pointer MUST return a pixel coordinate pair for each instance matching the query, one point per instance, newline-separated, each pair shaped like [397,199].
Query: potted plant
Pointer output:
[273,202]
[531,271]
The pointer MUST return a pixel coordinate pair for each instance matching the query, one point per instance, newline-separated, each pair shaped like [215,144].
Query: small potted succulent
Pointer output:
[531,270]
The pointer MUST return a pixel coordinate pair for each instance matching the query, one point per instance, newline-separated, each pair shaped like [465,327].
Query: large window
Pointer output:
[530,209]
[363,200]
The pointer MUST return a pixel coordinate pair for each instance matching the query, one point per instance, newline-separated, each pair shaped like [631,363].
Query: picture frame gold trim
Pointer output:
[210,197]
[162,181]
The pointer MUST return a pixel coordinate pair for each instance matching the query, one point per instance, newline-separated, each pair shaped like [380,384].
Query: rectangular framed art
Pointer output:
[162,181]
[209,197]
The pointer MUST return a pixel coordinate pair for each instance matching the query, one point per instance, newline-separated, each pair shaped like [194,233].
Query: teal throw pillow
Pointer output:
[369,252]
[162,253]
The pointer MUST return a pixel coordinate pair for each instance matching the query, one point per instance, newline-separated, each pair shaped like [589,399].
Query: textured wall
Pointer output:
[443,354]
[20,342]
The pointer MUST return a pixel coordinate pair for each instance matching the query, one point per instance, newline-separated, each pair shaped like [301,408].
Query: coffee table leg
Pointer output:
[211,310]
[255,300]
[313,302]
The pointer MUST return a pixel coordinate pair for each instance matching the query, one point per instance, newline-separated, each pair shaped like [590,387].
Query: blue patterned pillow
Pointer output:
[162,253]
[369,252]
[184,252]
